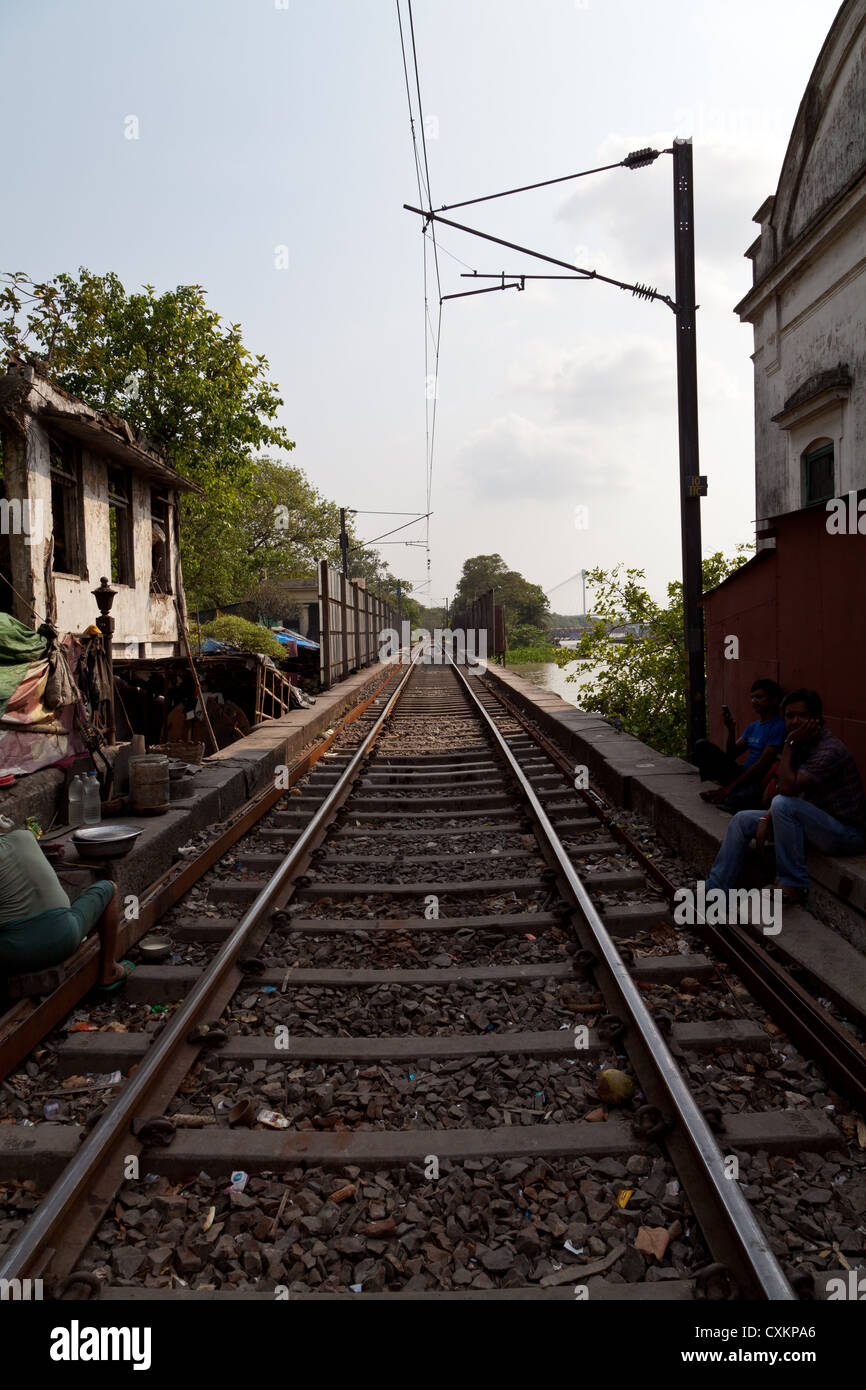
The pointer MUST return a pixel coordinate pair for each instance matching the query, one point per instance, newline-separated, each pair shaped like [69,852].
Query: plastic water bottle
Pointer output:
[76,800]
[92,800]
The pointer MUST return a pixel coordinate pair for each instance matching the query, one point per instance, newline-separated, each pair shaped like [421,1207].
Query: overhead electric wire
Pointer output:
[424,141]
[446,252]
[435,336]
[418,175]
[373,539]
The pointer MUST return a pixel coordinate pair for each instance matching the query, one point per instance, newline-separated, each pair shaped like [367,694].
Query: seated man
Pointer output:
[820,803]
[742,784]
[39,927]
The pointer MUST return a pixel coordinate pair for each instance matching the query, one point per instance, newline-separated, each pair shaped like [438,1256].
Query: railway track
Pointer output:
[377,1061]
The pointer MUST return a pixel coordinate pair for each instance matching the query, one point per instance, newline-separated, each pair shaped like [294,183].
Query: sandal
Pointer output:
[127,967]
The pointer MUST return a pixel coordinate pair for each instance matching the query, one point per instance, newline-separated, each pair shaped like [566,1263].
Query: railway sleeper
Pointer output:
[47,1148]
[169,983]
[107,1052]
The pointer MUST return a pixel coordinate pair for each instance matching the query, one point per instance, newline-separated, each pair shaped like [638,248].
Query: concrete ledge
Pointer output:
[665,791]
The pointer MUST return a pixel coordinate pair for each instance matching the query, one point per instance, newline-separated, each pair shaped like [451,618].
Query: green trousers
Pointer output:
[35,943]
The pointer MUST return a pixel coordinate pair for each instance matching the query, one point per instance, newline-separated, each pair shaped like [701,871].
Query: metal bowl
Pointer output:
[155,948]
[105,841]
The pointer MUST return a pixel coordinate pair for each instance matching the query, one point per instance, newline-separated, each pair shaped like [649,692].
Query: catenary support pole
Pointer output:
[687,409]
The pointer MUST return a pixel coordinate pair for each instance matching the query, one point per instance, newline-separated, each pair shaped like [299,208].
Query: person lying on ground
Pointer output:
[39,927]
[820,803]
[741,783]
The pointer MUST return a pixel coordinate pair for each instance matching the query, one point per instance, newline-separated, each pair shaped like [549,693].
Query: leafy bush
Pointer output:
[528,635]
[642,679]
[248,637]
[517,655]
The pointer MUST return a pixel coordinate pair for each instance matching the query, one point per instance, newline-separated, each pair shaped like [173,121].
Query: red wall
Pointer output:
[800,615]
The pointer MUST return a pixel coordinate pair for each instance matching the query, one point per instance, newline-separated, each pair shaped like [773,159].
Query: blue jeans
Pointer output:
[796,825]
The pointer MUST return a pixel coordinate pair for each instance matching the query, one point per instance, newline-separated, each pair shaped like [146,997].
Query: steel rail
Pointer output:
[26,1024]
[61,1199]
[807,1022]
[746,1249]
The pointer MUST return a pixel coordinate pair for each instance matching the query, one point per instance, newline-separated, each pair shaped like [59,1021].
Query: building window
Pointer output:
[120,527]
[818,475]
[160,571]
[66,508]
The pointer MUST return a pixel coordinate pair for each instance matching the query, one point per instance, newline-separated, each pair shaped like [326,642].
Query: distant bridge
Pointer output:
[617,632]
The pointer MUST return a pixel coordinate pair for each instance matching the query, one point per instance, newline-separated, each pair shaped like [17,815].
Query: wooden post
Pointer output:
[198,690]
[357,595]
[368,623]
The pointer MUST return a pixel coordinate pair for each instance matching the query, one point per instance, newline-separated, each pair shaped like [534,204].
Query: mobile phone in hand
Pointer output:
[725,711]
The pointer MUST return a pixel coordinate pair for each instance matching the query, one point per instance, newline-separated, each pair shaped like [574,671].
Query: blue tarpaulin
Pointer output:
[289,636]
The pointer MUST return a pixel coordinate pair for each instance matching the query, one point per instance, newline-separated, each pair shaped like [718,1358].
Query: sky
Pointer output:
[262,149]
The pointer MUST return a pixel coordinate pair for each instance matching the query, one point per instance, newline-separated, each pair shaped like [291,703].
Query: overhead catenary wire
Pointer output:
[423,141]
[418,173]
[393,532]
[433,342]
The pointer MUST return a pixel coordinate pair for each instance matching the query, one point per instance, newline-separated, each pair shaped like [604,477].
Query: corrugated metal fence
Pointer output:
[483,615]
[350,621]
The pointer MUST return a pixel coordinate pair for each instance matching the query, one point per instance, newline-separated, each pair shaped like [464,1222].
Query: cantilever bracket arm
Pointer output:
[519,284]
[642,291]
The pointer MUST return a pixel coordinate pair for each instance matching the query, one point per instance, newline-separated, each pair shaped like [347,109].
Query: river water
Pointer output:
[552,677]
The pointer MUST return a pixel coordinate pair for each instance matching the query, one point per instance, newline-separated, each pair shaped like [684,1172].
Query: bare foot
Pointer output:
[116,972]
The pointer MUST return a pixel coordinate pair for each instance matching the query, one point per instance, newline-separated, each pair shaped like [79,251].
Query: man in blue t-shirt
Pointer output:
[742,784]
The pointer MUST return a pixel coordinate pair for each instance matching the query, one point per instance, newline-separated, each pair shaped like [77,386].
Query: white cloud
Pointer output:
[599,380]
[516,459]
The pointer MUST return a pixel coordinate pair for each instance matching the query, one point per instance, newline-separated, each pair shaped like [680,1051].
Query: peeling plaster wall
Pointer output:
[815,321]
[808,304]
[145,623]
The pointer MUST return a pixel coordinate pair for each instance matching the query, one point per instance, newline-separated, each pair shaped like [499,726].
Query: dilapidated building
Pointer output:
[86,497]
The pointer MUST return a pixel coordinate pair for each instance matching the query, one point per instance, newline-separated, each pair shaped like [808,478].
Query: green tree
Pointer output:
[275,526]
[432,617]
[523,603]
[642,679]
[170,366]
[246,636]
[528,635]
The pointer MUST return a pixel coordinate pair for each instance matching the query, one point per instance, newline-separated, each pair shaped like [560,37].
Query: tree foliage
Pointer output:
[167,363]
[641,680]
[170,366]
[273,526]
[247,637]
[523,603]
